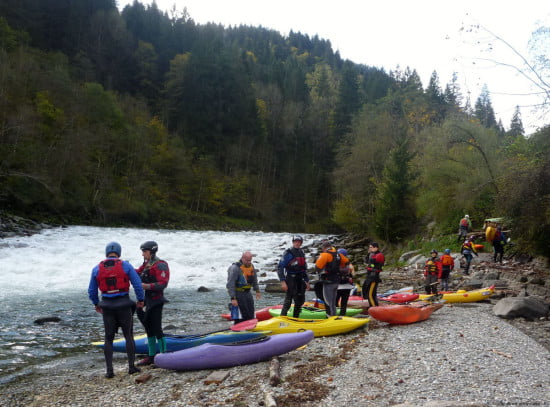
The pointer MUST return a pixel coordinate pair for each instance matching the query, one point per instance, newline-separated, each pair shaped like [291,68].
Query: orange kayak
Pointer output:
[400,314]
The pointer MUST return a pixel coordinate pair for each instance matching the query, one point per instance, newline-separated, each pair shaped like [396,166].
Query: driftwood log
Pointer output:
[274,372]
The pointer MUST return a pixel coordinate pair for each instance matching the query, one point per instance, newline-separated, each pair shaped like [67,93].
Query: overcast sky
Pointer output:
[425,35]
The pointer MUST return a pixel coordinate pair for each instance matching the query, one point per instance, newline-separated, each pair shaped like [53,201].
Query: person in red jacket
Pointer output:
[374,261]
[154,274]
[447,265]
[432,272]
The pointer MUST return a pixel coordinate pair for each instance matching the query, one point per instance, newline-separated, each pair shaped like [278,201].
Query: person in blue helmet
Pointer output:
[113,277]
[292,272]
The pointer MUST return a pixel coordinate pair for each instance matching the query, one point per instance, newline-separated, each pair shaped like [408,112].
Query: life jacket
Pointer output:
[375,262]
[464,223]
[447,260]
[331,270]
[298,262]
[111,277]
[246,278]
[146,276]
[467,246]
[431,266]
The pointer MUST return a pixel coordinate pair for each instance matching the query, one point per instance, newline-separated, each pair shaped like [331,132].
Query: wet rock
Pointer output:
[42,321]
[527,307]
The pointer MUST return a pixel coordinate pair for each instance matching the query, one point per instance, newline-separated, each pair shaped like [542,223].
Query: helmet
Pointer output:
[467,216]
[150,245]
[447,251]
[297,237]
[343,251]
[113,247]
[434,251]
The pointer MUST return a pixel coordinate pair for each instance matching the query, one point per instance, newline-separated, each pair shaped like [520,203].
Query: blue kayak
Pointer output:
[179,342]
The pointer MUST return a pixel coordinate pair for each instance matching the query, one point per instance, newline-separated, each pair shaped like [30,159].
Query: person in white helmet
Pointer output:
[464,227]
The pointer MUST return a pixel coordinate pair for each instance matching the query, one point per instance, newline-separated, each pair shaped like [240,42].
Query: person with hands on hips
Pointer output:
[113,277]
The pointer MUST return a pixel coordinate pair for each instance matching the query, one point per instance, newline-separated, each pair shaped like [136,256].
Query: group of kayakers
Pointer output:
[334,285]
[113,277]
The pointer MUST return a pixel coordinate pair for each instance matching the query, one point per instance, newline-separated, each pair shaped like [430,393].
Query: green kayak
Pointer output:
[314,313]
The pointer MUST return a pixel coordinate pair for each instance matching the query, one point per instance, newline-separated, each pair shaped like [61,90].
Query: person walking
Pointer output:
[292,272]
[464,227]
[328,266]
[345,284]
[447,265]
[499,241]
[242,276]
[468,250]
[432,272]
[113,277]
[374,261]
[154,274]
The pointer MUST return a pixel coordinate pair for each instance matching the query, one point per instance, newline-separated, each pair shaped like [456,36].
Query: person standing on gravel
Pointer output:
[292,272]
[447,265]
[432,272]
[374,261]
[345,284]
[113,277]
[464,227]
[468,250]
[328,266]
[154,274]
[499,241]
[242,276]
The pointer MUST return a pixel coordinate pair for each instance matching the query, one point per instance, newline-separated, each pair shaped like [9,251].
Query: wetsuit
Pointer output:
[374,261]
[329,265]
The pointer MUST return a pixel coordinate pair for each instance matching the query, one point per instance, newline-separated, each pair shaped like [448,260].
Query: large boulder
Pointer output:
[527,307]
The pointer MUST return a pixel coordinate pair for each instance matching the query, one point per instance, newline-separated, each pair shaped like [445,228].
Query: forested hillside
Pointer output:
[147,118]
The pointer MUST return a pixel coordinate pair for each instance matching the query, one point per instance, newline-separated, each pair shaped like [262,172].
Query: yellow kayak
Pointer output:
[464,296]
[320,327]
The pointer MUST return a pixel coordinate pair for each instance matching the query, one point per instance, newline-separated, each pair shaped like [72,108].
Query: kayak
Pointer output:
[403,313]
[479,247]
[399,298]
[320,327]
[313,313]
[261,314]
[463,295]
[179,342]
[217,356]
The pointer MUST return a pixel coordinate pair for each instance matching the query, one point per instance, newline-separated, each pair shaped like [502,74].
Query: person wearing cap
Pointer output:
[432,272]
[374,261]
[447,265]
[113,277]
[328,266]
[242,276]
[464,227]
[292,273]
[345,284]
[154,274]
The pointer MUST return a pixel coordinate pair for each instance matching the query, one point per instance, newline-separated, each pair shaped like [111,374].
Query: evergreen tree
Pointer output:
[516,125]
[483,109]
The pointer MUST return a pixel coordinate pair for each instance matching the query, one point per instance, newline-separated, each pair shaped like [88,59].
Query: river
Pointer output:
[47,275]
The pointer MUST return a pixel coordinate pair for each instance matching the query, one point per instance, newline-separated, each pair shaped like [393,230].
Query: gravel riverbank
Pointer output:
[462,356]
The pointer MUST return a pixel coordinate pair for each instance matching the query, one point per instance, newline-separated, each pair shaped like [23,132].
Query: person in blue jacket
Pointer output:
[113,277]
[292,272]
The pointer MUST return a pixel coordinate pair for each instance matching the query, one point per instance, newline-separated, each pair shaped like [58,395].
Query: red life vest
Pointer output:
[111,277]
[431,267]
[464,223]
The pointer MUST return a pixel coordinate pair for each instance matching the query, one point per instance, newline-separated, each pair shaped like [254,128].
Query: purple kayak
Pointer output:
[216,356]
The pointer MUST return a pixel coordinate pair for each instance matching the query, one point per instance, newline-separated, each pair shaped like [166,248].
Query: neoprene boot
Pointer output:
[162,345]
[152,350]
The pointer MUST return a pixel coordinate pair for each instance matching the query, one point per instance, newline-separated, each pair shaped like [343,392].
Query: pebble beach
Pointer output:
[463,355]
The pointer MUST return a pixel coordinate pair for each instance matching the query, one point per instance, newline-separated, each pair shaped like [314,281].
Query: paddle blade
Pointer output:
[243,326]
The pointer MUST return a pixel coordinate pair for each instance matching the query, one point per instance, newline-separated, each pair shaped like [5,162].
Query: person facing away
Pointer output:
[242,276]
[468,250]
[499,241]
[464,227]
[432,272]
[345,284]
[292,272]
[374,261]
[113,277]
[447,265]
[328,266]
[154,274]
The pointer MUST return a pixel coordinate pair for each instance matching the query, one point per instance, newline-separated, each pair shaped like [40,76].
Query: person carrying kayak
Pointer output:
[113,277]
[292,272]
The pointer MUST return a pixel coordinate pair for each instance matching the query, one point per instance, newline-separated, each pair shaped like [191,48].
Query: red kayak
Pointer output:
[261,315]
[400,314]
[399,298]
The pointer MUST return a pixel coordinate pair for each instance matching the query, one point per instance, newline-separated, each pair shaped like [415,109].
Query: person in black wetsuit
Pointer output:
[292,272]
[113,277]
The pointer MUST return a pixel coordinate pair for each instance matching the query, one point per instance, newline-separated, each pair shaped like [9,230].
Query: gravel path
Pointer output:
[462,356]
